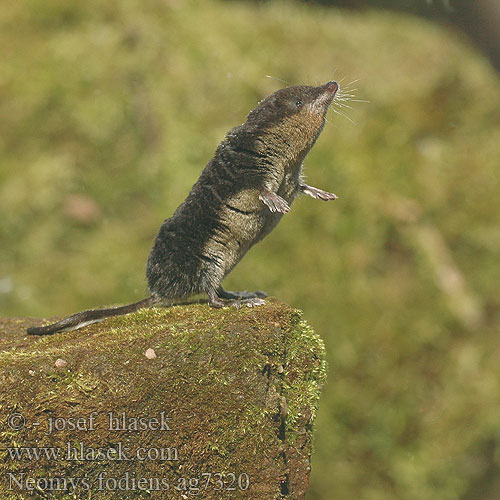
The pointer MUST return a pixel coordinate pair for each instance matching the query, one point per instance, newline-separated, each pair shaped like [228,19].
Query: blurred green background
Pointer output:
[109,111]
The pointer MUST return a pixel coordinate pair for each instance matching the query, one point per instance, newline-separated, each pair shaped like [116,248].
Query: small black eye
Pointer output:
[298,102]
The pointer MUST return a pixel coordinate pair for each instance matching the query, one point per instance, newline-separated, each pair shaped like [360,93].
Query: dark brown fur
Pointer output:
[239,198]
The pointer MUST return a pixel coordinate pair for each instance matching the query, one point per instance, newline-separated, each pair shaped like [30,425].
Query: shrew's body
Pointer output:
[239,198]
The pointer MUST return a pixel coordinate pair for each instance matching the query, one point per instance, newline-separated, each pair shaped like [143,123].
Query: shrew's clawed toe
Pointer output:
[248,302]
[274,201]
[319,194]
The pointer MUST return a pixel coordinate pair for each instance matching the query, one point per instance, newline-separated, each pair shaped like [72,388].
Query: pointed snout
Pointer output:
[332,87]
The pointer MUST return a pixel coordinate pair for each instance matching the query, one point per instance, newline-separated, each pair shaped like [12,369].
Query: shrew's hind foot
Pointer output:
[256,301]
[214,301]
[244,295]
[236,299]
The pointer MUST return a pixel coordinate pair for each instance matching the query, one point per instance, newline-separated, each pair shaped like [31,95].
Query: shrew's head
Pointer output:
[302,100]
[294,114]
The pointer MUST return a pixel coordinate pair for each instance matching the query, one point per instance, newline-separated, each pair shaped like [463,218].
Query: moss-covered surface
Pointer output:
[241,388]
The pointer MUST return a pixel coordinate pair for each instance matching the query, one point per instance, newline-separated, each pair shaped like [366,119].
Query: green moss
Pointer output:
[217,371]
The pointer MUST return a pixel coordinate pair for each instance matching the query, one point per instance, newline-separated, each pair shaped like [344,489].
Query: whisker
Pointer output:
[342,105]
[331,123]
[353,82]
[343,97]
[348,96]
[343,115]
[279,79]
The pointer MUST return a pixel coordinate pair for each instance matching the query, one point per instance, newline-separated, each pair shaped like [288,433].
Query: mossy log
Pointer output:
[164,403]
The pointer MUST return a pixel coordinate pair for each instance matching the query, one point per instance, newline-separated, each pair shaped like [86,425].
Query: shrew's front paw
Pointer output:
[274,201]
[318,194]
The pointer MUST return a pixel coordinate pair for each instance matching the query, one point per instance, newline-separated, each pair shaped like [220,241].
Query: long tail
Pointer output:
[85,318]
